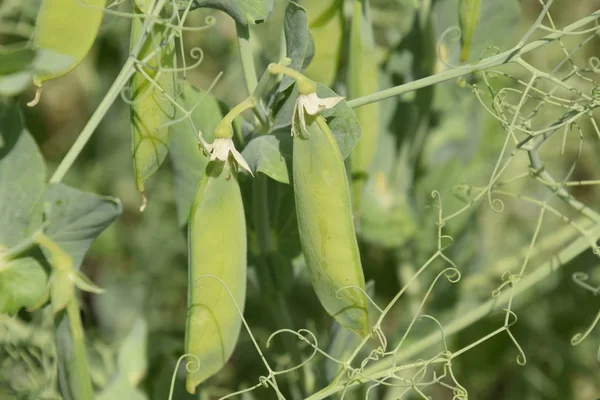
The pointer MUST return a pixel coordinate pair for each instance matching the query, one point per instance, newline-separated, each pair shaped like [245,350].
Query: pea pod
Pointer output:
[468,17]
[363,76]
[326,23]
[68,27]
[326,225]
[216,246]
[151,109]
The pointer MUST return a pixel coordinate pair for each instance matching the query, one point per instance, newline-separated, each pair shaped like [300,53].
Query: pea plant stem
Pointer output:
[79,349]
[245,47]
[490,62]
[391,365]
[121,80]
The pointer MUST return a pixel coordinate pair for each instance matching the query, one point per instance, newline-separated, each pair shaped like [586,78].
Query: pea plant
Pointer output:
[376,199]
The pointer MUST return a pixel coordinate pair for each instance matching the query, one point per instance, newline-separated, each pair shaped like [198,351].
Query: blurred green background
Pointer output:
[141,260]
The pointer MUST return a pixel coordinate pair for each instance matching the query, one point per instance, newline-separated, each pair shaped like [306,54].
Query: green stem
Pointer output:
[80,367]
[386,367]
[125,74]
[245,47]
[304,84]
[490,62]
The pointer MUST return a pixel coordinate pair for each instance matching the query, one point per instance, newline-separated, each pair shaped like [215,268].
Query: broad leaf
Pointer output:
[22,175]
[76,218]
[297,38]
[186,157]
[244,12]
[271,155]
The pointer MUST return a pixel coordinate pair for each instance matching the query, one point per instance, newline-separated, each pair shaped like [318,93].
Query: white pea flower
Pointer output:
[220,149]
[311,104]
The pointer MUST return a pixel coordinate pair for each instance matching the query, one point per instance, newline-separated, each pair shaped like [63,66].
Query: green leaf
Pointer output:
[151,110]
[22,175]
[244,12]
[326,23]
[270,154]
[342,122]
[76,218]
[22,284]
[297,36]
[187,159]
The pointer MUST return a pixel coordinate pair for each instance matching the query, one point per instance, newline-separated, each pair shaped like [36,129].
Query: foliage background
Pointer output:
[141,259]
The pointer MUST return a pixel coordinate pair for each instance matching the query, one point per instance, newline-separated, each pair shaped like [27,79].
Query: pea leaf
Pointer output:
[244,12]
[22,174]
[76,218]
[151,110]
[297,38]
[22,284]
[187,159]
[270,154]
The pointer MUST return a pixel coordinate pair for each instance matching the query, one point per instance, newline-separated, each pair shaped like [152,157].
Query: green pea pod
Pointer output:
[326,23]
[363,77]
[326,226]
[217,247]
[468,16]
[68,27]
[151,110]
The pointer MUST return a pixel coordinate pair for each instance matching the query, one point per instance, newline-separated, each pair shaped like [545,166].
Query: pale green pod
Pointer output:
[363,77]
[216,246]
[151,109]
[68,27]
[468,16]
[326,23]
[326,226]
